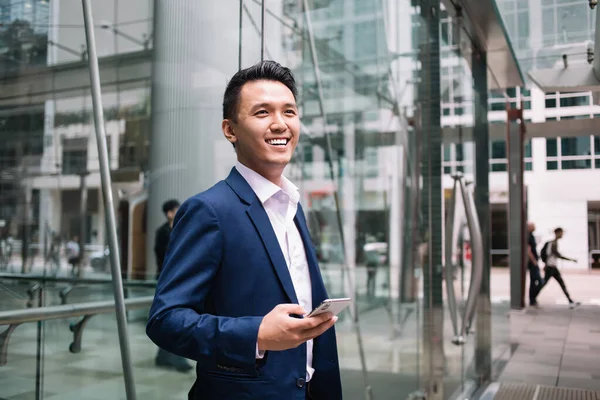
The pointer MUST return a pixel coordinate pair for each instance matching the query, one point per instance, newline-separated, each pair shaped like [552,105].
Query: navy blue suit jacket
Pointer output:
[224,270]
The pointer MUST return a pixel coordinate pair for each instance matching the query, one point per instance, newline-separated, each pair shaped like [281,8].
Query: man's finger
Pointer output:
[318,330]
[313,322]
[291,309]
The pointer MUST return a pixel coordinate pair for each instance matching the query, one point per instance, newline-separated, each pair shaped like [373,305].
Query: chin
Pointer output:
[282,160]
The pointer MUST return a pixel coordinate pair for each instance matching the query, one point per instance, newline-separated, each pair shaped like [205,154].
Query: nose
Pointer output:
[278,124]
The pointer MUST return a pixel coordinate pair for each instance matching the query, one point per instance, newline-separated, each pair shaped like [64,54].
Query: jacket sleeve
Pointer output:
[178,322]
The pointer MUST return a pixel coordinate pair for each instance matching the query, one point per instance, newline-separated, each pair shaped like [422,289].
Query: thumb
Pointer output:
[292,309]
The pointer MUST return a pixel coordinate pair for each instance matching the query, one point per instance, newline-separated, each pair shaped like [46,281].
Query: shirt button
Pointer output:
[300,382]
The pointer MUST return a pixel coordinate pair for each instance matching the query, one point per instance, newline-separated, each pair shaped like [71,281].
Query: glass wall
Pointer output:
[368,165]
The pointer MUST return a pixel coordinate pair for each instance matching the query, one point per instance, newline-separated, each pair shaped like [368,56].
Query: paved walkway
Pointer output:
[555,346]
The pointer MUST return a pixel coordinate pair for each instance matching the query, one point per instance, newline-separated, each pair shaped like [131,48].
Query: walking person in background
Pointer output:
[550,256]
[73,253]
[535,277]
[161,244]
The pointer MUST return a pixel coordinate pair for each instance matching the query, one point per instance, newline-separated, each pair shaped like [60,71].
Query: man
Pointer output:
[551,269]
[535,278]
[161,239]
[161,243]
[73,252]
[241,270]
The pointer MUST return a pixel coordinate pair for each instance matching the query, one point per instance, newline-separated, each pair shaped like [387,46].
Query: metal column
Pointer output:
[516,207]
[115,263]
[431,199]
[483,331]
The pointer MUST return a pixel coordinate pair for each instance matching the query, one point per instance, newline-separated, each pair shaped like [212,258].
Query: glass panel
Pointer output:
[552,165]
[160,124]
[447,152]
[498,149]
[528,149]
[498,106]
[575,101]
[551,147]
[576,164]
[550,102]
[577,146]
[357,88]
[498,167]
[597,145]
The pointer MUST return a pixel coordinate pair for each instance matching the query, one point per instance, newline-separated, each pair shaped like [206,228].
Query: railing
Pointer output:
[14,318]
[72,281]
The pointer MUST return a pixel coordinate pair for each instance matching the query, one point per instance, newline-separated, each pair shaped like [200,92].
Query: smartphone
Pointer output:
[334,306]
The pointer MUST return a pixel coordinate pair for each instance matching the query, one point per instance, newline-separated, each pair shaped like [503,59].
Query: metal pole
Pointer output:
[483,330]
[477,256]
[516,224]
[83,221]
[240,35]
[39,359]
[263,8]
[449,267]
[108,201]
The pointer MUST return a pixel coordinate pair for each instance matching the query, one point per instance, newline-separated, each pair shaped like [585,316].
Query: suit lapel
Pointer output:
[261,222]
[319,293]
[259,217]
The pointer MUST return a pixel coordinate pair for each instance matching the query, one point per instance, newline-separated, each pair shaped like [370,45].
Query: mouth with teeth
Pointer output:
[281,142]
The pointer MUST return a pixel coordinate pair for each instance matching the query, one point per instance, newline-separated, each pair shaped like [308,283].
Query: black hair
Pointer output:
[170,205]
[558,230]
[264,70]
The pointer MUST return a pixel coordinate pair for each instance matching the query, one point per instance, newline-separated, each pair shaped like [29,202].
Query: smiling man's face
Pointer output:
[266,130]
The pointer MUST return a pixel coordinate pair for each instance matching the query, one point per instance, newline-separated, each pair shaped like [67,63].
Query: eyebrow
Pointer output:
[267,105]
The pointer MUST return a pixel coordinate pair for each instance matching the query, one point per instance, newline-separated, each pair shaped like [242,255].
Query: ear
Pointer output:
[228,132]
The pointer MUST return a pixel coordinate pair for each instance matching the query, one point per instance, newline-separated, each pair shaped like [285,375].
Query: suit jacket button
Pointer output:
[300,382]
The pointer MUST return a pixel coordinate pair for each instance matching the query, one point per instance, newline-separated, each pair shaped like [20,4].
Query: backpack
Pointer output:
[544,252]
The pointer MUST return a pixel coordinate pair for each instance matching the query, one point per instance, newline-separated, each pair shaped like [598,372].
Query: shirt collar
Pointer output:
[264,188]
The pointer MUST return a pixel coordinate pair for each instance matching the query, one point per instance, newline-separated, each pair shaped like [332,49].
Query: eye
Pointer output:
[291,112]
[261,112]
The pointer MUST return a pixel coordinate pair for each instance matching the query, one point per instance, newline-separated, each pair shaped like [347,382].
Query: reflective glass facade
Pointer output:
[375,79]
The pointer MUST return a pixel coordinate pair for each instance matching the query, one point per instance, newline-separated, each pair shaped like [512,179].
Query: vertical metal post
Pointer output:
[108,201]
[429,95]
[39,358]
[483,331]
[263,9]
[516,217]
[240,35]
[83,192]
[449,266]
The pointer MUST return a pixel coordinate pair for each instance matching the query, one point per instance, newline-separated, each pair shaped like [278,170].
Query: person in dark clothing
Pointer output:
[535,277]
[161,244]
[551,268]
[161,240]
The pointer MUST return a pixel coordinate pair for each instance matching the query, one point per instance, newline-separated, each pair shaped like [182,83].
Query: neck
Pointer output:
[271,173]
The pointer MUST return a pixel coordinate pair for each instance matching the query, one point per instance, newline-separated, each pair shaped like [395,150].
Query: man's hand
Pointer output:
[279,331]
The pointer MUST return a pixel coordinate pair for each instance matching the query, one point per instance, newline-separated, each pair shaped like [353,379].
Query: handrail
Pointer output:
[14,318]
[72,280]
[477,264]
[449,270]
[477,255]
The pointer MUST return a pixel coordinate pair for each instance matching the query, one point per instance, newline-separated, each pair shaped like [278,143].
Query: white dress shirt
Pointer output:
[281,204]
